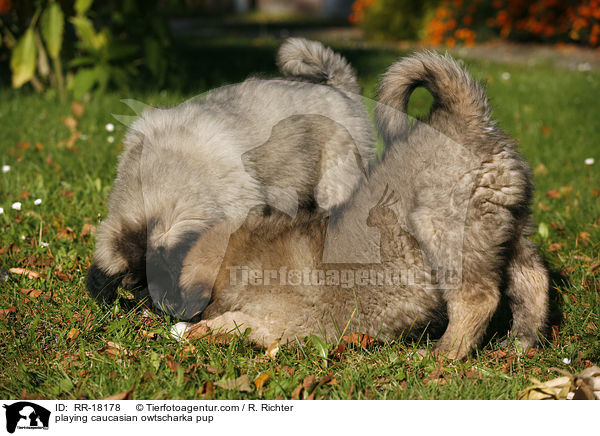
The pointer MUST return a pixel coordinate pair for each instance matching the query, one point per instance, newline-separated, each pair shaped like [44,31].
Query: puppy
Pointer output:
[300,142]
[446,214]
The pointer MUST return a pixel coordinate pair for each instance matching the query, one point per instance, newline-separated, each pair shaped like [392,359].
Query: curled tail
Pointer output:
[457,97]
[312,61]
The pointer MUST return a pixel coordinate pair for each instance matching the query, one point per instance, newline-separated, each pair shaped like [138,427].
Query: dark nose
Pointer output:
[163,269]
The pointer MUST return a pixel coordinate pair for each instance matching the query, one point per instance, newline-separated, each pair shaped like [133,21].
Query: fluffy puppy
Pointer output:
[297,142]
[446,211]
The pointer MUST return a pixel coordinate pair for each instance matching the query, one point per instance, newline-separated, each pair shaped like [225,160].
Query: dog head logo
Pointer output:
[26,415]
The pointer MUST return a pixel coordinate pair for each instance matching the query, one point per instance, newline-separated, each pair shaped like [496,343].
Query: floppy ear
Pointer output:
[101,286]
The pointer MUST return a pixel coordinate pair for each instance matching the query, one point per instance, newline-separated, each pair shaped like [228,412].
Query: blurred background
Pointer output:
[70,48]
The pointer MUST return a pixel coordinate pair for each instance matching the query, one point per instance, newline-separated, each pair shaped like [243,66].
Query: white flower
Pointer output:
[1,210]
[38,202]
[567,361]
[110,127]
[44,244]
[23,237]
[585,66]
[505,75]
[589,161]
[16,205]
[110,139]
[5,168]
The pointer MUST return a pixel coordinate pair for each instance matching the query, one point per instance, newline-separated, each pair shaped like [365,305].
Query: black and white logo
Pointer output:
[26,415]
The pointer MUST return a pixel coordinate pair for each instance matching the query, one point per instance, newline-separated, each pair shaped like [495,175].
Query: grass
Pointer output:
[57,342]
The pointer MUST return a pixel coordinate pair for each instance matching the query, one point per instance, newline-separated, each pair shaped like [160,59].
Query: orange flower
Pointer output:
[5,6]
[450,42]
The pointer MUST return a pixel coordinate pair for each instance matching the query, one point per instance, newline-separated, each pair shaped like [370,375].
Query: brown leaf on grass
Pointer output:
[436,376]
[211,369]
[546,130]
[242,384]
[540,170]
[87,229]
[115,351]
[556,226]
[197,331]
[73,334]
[297,392]
[32,293]
[67,193]
[77,109]
[591,327]
[596,192]
[338,352]
[594,267]
[65,277]
[172,364]
[309,382]
[66,233]
[127,395]
[555,335]
[553,193]
[532,352]
[555,246]
[39,146]
[583,238]
[70,122]
[32,275]
[260,381]
[5,313]
[496,354]
[273,349]
[360,339]
[23,195]
[542,206]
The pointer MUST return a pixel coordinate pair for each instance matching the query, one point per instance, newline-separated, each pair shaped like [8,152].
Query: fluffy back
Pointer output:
[313,62]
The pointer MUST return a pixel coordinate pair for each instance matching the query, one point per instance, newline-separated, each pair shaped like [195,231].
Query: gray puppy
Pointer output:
[299,142]
[446,214]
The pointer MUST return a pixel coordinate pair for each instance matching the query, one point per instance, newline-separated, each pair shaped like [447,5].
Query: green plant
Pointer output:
[396,19]
[132,39]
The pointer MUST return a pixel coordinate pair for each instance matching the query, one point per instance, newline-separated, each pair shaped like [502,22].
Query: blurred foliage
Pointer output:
[395,19]
[551,21]
[111,43]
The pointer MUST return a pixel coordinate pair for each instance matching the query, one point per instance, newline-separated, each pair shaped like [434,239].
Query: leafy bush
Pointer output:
[111,43]
[538,20]
[396,19]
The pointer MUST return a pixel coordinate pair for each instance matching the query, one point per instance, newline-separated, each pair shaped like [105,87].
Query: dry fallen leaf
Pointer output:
[583,238]
[546,130]
[121,396]
[260,381]
[78,109]
[172,364]
[540,170]
[25,272]
[5,313]
[73,334]
[556,389]
[115,351]
[273,349]
[242,384]
[70,122]
[553,193]
[358,339]
[88,229]
[32,293]
[65,277]
[583,386]
[555,246]
[197,331]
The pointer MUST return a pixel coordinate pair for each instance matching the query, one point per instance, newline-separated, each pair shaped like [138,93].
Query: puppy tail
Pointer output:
[456,95]
[312,61]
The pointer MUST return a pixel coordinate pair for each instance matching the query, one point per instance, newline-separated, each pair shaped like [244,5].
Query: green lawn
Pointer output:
[55,343]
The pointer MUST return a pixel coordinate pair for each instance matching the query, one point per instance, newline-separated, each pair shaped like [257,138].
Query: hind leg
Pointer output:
[527,289]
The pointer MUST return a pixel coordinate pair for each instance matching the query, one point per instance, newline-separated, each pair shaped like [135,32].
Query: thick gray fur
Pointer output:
[451,195]
[303,141]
